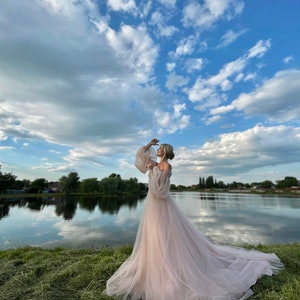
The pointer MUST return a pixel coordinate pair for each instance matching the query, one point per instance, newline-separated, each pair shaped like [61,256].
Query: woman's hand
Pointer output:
[153,142]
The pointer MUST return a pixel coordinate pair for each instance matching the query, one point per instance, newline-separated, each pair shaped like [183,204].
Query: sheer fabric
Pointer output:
[172,260]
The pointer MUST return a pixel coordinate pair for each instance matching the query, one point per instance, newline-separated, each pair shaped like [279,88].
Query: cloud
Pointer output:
[240,152]
[125,5]
[175,81]
[133,46]
[172,121]
[185,46]
[168,3]
[170,66]
[288,59]
[211,91]
[277,99]
[4,148]
[84,83]
[160,20]
[259,49]
[194,64]
[213,119]
[207,14]
[229,37]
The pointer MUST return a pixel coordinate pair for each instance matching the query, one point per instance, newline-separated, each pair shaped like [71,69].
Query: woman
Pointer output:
[171,259]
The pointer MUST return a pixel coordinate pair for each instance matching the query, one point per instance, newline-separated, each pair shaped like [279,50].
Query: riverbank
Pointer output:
[35,273]
[280,193]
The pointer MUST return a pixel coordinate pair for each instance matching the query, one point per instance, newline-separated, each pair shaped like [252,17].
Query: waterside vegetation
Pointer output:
[71,184]
[35,273]
[115,185]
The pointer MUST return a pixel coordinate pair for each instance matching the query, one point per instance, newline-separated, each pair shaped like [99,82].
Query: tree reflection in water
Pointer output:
[4,210]
[66,206]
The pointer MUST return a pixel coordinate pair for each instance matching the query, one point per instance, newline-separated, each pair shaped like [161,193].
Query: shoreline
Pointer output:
[246,192]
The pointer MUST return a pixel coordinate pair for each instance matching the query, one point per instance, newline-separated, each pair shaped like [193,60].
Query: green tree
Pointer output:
[7,180]
[181,187]
[221,185]
[89,185]
[201,182]
[21,184]
[63,183]
[287,182]
[173,187]
[267,184]
[112,185]
[70,184]
[132,187]
[38,185]
[233,185]
[115,185]
[209,183]
[142,187]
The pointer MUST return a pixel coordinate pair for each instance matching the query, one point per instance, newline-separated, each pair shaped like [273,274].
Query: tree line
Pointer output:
[209,182]
[114,184]
[111,185]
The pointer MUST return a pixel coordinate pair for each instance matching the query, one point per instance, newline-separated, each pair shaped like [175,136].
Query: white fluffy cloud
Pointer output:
[134,47]
[159,20]
[176,81]
[194,64]
[229,37]
[211,91]
[172,121]
[186,46]
[277,99]
[126,5]
[288,59]
[78,84]
[240,152]
[259,49]
[205,14]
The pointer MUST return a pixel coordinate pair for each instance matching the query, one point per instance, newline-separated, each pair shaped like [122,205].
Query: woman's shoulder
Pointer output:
[169,166]
[164,166]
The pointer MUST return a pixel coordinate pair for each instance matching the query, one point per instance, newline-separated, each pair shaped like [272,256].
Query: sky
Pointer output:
[85,83]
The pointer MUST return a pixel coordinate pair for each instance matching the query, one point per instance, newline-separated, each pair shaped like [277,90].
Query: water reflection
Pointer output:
[94,221]
[4,210]
[66,206]
[243,218]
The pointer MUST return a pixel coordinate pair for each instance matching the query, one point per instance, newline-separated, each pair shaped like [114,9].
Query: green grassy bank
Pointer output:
[35,273]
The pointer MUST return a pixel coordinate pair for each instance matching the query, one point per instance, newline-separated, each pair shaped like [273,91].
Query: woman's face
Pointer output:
[160,151]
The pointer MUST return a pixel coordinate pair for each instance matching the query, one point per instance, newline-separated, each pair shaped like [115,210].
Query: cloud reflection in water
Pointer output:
[234,219]
[242,218]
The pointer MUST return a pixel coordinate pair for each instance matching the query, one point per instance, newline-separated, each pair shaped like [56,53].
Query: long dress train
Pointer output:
[172,260]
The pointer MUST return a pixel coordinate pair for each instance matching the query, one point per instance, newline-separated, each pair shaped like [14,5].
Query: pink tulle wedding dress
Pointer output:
[172,260]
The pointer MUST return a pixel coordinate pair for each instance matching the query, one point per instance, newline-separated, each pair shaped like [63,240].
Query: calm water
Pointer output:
[87,222]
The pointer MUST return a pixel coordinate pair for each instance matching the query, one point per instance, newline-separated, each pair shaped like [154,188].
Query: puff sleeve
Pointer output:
[145,159]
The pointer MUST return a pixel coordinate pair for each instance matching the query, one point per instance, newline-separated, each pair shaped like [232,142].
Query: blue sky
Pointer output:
[84,83]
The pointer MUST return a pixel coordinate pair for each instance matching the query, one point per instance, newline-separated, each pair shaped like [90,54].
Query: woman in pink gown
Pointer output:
[171,259]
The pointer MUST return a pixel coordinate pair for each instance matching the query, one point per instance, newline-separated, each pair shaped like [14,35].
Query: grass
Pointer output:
[35,273]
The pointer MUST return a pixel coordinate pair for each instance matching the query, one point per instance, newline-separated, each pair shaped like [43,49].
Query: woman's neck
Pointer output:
[163,159]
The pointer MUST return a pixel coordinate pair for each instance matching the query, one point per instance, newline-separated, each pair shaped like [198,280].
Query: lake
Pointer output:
[94,221]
